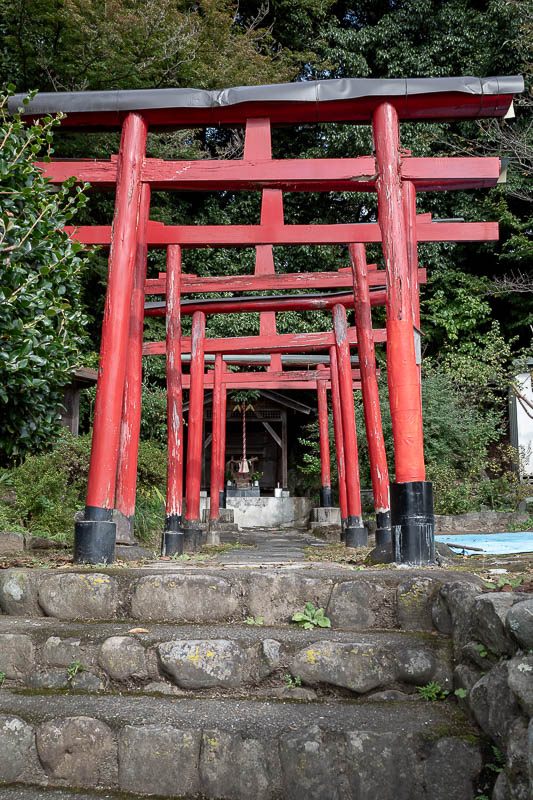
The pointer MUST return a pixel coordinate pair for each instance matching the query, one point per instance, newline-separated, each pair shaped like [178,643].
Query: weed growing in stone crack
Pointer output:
[482,650]
[503,583]
[499,761]
[460,693]
[255,620]
[2,677]
[311,618]
[292,681]
[433,691]
[74,668]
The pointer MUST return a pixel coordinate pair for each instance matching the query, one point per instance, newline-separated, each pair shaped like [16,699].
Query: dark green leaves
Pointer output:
[41,328]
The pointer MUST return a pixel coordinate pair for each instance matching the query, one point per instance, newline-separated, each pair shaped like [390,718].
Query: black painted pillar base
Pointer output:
[173,523]
[192,536]
[221,498]
[344,523]
[326,497]
[94,537]
[413,522]
[172,543]
[172,538]
[383,528]
[355,534]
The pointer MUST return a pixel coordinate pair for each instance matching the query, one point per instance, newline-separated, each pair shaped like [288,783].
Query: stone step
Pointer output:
[237,749]
[250,659]
[26,792]
[167,591]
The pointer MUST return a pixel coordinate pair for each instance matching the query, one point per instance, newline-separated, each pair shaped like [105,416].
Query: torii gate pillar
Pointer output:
[412,520]
[94,537]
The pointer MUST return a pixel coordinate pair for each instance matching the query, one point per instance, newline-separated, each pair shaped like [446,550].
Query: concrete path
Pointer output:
[270,546]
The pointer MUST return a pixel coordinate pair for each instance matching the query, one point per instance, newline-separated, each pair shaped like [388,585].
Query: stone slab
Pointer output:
[178,592]
[519,622]
[325,516]
[283,749]
[277,596]
[11,542]
[125,655]
[124,528]
[184,598]
[479,521]
[79,596]
[133,552]
[271,512]
[19,592]
[363,667]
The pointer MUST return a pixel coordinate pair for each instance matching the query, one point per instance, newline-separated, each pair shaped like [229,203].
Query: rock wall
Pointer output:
[479,521]
[492,637]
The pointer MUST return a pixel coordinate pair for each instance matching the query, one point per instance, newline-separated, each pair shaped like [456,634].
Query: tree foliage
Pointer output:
[41,322]
[466,314]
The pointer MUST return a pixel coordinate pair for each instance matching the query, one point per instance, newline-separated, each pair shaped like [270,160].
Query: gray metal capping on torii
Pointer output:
[347,98]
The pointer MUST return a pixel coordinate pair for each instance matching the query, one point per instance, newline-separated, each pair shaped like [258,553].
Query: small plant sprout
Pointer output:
[499,761]
[74,668]
[254,620]
[311,618]
[460,693]
[2,677]
[482,650]
[433,691]
[292,681]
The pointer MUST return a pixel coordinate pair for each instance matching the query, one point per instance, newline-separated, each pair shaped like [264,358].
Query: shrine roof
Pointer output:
[346,99]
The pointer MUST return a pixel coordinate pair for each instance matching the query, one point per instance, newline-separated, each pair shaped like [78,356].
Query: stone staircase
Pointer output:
[191,682]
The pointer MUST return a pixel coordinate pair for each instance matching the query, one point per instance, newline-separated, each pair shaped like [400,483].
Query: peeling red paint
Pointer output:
[196,414]
[174,499]
[367,363]
[337,428]
[131,410]
[353,488]
[216,451]
[403,374]
[115,328]
[322,398]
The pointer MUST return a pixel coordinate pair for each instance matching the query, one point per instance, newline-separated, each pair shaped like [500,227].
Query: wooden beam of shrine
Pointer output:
[340,279]
[278,343]
[159,235]
[249,382]
[285,376]
[250,305]
[301,175]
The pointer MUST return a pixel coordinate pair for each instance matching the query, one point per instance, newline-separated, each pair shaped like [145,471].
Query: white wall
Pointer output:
[522,424]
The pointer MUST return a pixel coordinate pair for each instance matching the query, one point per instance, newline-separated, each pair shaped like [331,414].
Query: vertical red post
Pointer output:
[94,540]
[258,145]
[194,439]
[326,499]
[339,438]
[409,211]
[131,410]
[355,534]
[172,541]
[369,385]
[411,496]
[216,450]
[222,455]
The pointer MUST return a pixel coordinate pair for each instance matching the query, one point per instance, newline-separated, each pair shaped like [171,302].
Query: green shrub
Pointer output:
[44,492]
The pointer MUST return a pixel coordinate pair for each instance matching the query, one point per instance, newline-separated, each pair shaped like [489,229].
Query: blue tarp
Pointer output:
[492,543]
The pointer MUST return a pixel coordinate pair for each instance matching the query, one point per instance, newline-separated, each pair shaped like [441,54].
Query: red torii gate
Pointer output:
[393,174]
[338,340]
